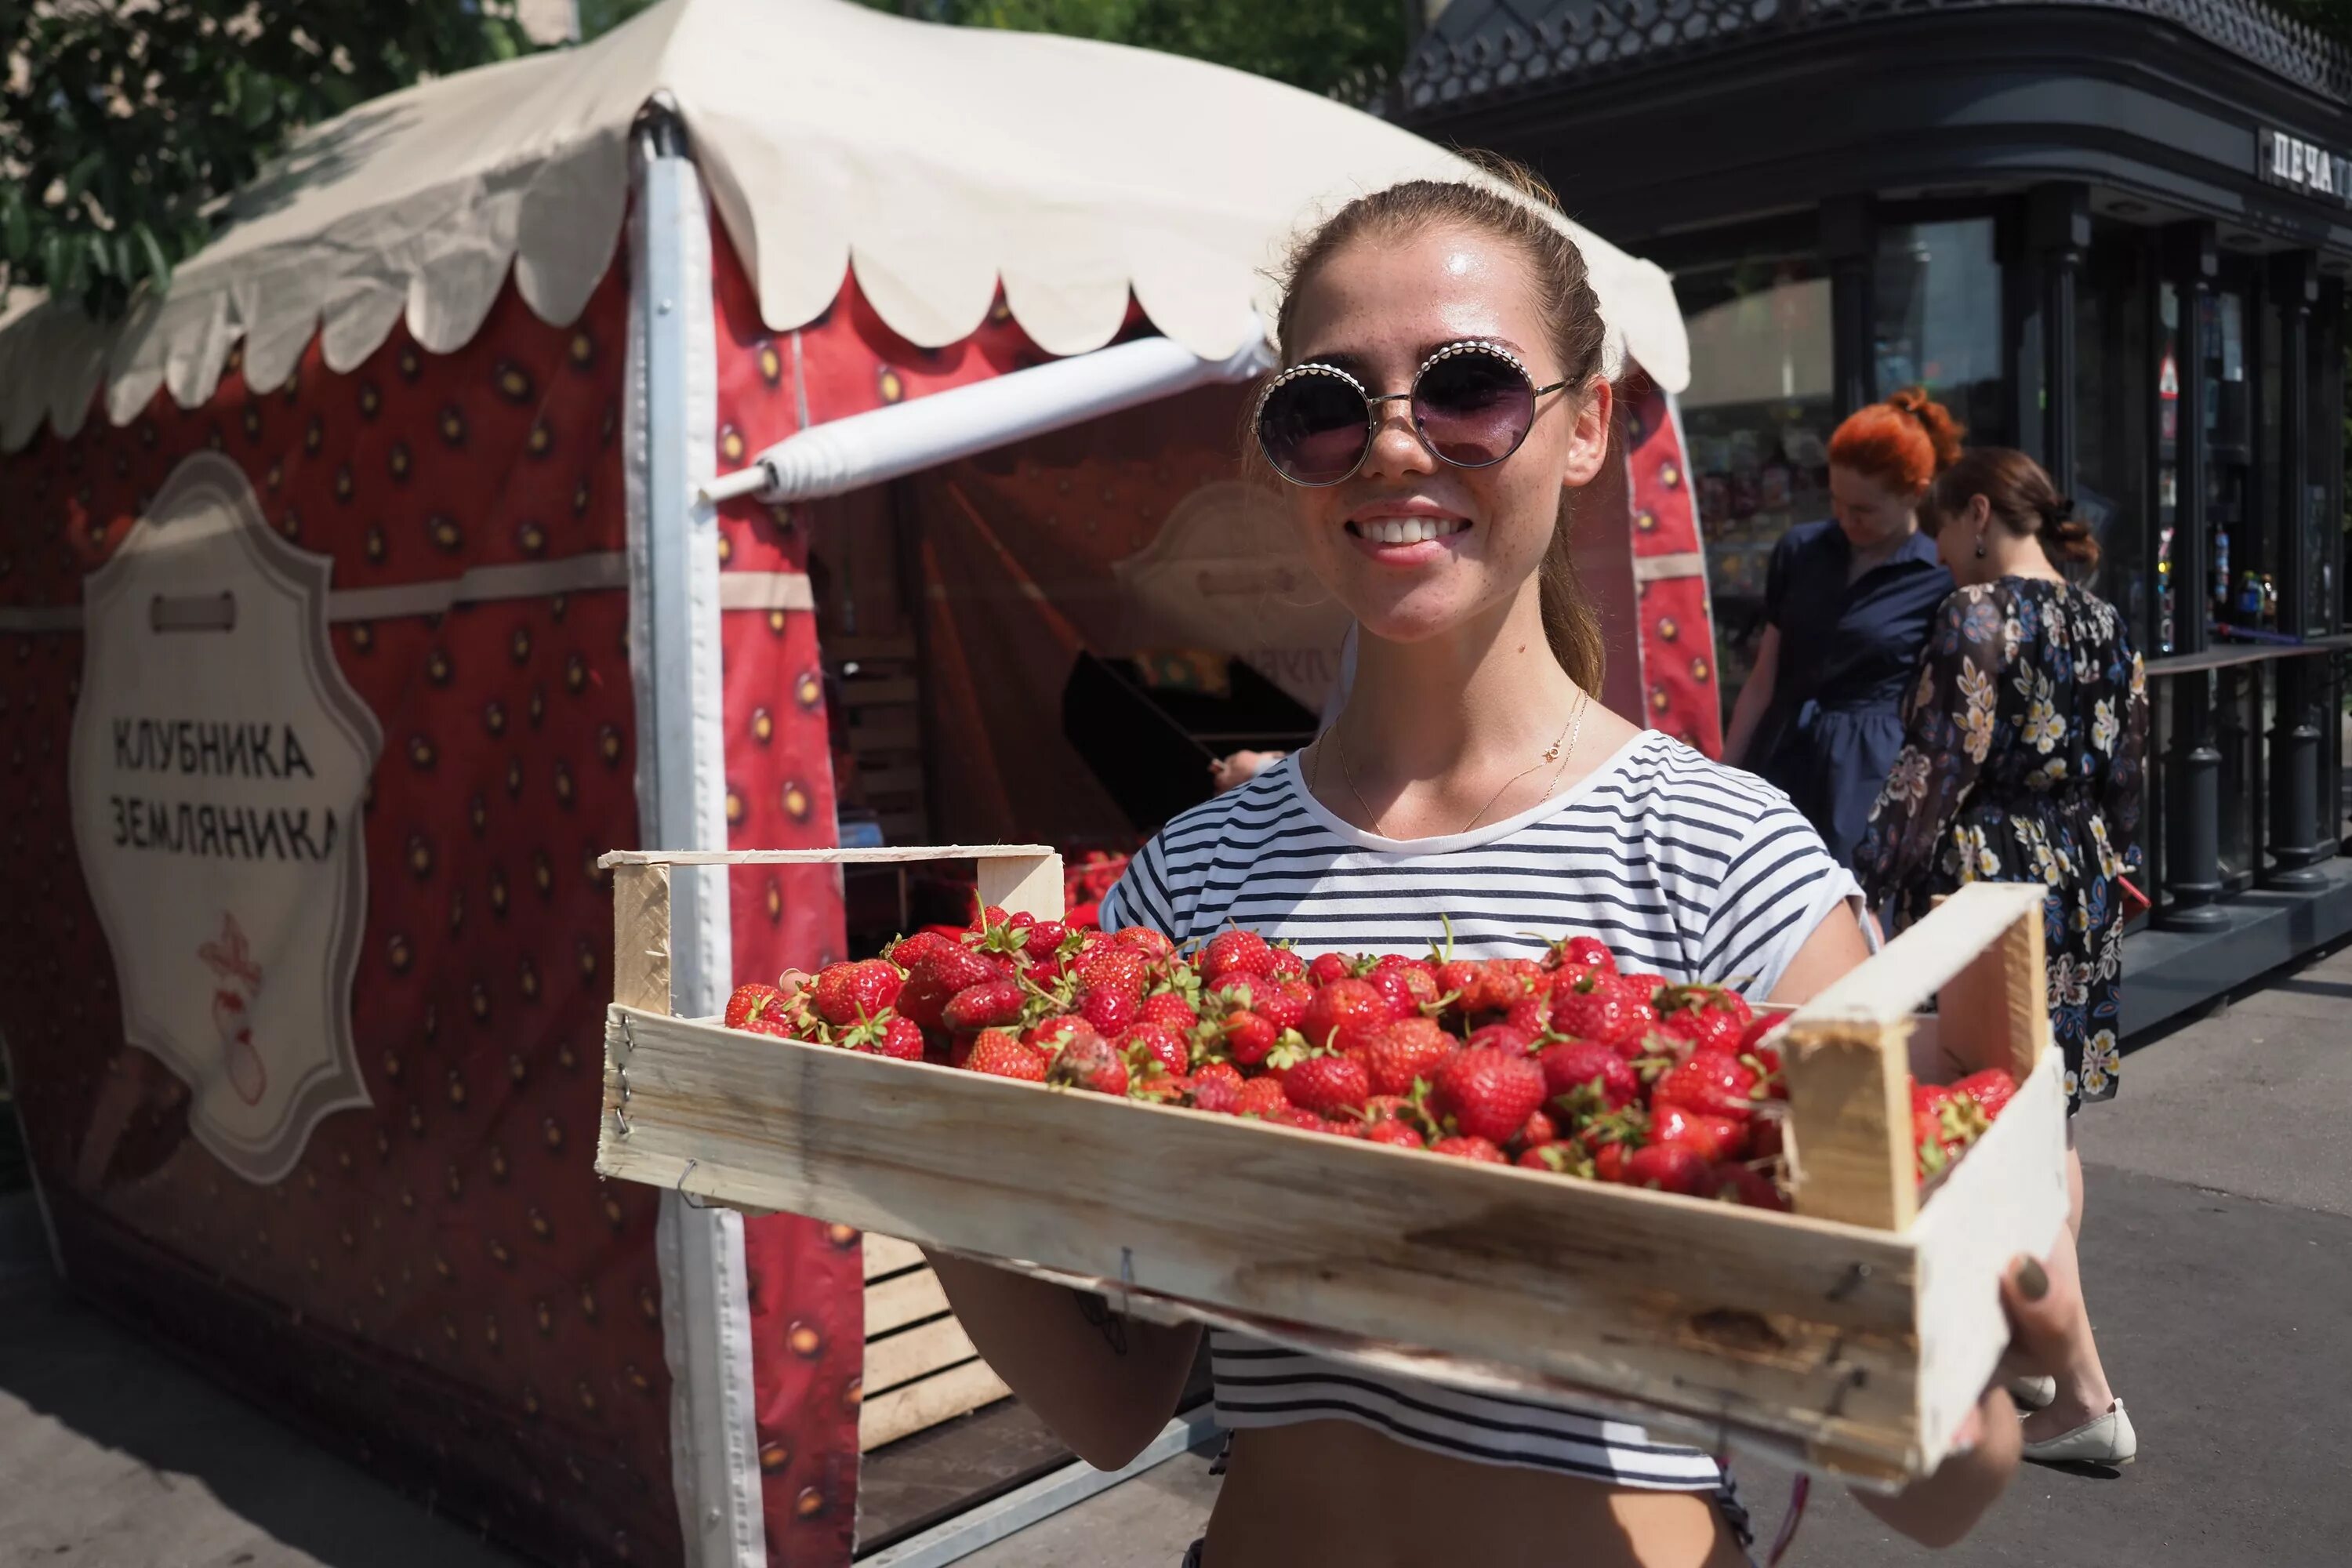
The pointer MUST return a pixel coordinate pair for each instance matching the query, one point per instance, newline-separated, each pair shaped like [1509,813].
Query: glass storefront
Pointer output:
[1936,320]
[1757,416]
[2116,406]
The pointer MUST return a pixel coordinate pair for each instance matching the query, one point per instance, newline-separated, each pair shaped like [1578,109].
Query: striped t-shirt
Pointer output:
[1684,866]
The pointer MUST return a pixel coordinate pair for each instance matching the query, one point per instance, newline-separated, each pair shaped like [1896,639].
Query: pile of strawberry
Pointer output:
[1561,1064]
[1945,1118]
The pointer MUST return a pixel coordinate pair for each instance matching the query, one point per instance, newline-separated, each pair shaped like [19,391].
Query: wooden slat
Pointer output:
[858,650]
[640,934]
[887,1255]
[1850,1122]
[1030,887]
[922,1405]
[918,1351]
[1788,1327]
[907,1299]
[1998,1007]
[888,727]
[856,693]
[888,781]
[913,852]
[1897,980]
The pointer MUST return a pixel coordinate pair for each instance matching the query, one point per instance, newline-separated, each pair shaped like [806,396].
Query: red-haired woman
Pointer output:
[2023,741]
[1847,605]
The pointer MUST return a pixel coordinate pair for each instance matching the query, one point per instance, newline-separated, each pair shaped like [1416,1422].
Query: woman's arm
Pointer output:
[2127,774]
[1949,721]
[1755,697]
[1106,1385]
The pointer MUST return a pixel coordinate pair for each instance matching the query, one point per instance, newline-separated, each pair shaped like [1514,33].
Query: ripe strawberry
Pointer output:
[1584,953]
[1560,1159]
[1587,1079]
[749,1002]
[1764,1138]
[1111,1012]
[1042,942]
[1389,1108]
[1165,1088]
[1344,1127]
[1169,1008]
[1470,1148]
[1501,1038]
[1488,1093]
[886,1035]
[784,1027]
[1325,1084]
[1712,1083]
[1531,1014]
[1116,969]
[1609,1161]
[1407,1049]
[1218,1072]
[1397,1133]
[1261,1097]
[1540,1129]
[847,993]
[1711,1017]
[1154,945]
[987,917]
[999,1055]
[1993,1089]
[1249,1037]
[1283,1003]
[1326,967]
[1221,1096]
[1234,951]
[1051,1035]
[1406,984]
[1286,965]
[907,950]
[1156,1043]
[1458,979]
[1736,1183]
[1669,1168]
[1930,1097]
[1346,1015]
[986,1005]
[1713,1138]
[939,972]
[1591,1007]
[1089,1061]
[1305,1120]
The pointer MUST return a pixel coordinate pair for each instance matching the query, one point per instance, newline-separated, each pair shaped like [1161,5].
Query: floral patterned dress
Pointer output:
[2022,747]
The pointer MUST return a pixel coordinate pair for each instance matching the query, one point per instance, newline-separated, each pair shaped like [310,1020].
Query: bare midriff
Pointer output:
[1333,1492]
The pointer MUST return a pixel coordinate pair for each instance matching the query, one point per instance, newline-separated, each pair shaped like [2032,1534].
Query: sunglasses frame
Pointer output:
[1373,400]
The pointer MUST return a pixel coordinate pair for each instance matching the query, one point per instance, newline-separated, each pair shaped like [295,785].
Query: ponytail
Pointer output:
[2020,495]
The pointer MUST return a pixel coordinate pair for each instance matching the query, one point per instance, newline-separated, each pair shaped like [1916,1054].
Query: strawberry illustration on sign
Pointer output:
[220,764]
[239,981]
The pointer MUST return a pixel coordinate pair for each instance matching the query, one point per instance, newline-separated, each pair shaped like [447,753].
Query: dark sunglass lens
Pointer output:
[1474,407]
[1312,428]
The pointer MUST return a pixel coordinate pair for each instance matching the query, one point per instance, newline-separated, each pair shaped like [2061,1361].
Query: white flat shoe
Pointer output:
[2108,1440]
[2033,1392]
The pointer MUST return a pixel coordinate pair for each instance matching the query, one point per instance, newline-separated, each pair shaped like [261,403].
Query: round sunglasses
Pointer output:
[1473,402]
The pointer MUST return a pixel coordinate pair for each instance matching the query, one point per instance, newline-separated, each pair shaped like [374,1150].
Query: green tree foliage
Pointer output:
[122,120]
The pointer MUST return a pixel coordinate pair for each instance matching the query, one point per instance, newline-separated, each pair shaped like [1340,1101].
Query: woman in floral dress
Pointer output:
[2023,745]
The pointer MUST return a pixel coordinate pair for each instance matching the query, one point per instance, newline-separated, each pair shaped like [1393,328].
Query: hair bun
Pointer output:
[1944,432]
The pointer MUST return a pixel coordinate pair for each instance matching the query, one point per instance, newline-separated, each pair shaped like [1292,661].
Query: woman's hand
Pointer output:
[1946,1506]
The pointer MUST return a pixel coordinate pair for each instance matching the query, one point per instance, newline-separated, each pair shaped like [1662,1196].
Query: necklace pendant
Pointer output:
[1553,754]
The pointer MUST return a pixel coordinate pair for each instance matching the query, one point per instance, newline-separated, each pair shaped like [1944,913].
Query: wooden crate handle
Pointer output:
[1848,1059]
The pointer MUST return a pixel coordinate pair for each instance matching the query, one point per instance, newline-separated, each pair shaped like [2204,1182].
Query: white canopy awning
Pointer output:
[937,163]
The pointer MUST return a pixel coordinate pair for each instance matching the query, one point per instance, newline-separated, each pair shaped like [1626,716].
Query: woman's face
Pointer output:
[1872,515]
[1377,309]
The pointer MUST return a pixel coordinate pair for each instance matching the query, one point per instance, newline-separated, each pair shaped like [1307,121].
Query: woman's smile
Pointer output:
[1405,533]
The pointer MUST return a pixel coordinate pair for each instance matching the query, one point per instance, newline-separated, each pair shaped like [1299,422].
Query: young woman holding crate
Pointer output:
[1441,403]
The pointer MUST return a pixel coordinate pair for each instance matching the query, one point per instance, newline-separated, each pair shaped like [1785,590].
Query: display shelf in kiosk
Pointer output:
[1851,1337]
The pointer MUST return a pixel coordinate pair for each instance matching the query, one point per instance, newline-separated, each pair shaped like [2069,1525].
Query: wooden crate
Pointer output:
[1851,1336]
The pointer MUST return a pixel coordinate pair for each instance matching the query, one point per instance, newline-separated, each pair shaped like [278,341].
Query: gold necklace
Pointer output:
[1562,747]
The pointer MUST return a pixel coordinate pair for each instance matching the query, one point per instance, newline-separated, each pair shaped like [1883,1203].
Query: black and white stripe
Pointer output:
[1684,866]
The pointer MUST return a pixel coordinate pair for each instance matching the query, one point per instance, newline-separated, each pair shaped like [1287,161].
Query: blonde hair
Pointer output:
[1515,209]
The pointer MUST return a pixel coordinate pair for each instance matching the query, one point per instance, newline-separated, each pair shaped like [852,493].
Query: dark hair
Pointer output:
[1519,208]
[2021,496]
[1902,443]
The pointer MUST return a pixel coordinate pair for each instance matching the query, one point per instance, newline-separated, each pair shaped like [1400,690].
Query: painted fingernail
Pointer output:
[2033,1281]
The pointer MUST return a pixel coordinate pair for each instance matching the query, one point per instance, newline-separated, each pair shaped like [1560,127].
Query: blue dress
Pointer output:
[1848,653]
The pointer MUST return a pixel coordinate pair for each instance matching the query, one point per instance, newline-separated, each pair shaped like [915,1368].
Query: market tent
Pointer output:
[937,164]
